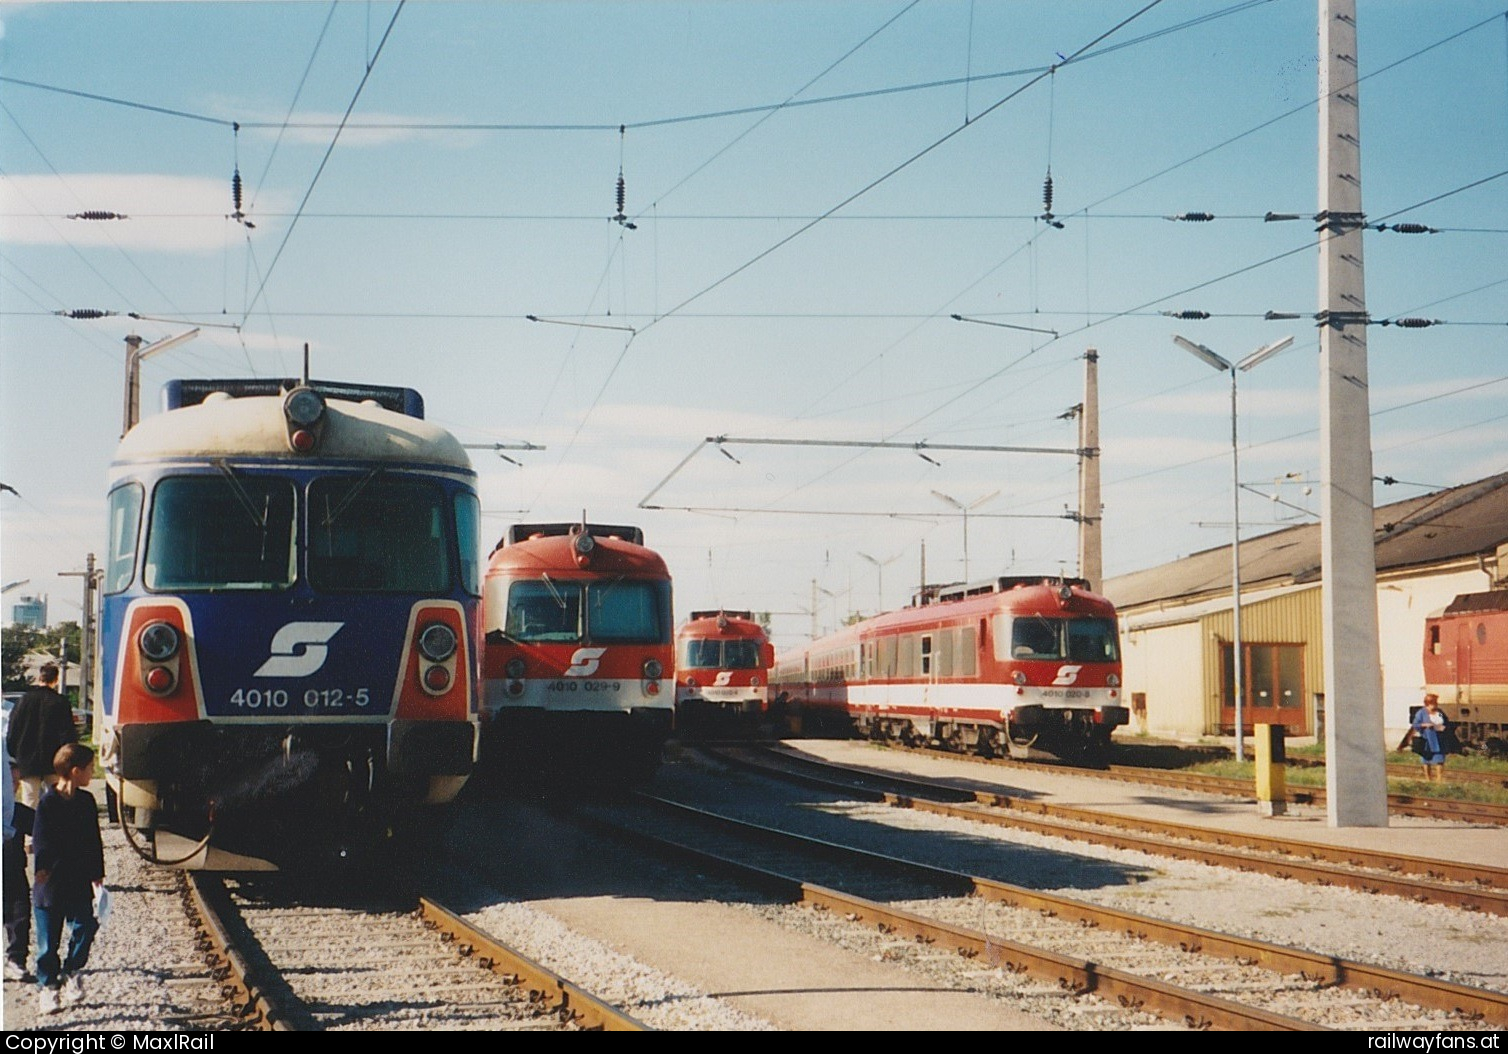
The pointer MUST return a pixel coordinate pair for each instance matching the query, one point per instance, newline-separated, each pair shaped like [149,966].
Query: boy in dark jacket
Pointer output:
[69,862]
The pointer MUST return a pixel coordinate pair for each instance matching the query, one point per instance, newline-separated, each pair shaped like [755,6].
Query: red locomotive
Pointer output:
[1016,665]
[722,672]
[1466,665]
[577,660]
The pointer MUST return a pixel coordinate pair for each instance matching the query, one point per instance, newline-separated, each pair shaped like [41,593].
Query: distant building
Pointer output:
[30,612]
[1176,620]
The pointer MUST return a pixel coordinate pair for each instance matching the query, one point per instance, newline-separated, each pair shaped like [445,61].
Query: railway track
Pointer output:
[1400,804]
[1464,886]
[289,964]
[1181,974]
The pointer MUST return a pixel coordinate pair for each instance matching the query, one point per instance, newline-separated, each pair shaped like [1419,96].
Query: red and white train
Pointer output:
[577,659]
[1015,665]
[1466,665]
[722,670]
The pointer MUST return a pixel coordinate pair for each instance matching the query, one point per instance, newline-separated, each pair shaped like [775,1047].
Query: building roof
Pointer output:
[1445,525]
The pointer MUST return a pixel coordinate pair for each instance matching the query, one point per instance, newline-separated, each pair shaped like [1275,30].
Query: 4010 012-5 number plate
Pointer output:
[311,699]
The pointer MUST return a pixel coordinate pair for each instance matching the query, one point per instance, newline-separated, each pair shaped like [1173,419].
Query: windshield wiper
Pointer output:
[239,490]
[559,600]
[345,502]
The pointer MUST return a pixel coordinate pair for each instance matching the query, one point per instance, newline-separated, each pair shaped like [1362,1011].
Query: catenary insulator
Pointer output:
[622,193]
[1195,217]
[85,313]
[1047,194]
[1415,323]
[1190,315]
[235,188]
[1413,228]
[96,214]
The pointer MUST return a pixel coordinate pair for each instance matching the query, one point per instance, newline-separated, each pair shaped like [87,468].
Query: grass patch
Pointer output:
[1315,777]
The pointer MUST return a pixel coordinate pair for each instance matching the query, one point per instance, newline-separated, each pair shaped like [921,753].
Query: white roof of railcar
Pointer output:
[254,426]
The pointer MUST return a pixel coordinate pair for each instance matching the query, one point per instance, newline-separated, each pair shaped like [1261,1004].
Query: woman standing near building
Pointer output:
[1431,738]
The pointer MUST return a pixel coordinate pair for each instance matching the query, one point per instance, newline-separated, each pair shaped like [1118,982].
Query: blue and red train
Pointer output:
[289,623]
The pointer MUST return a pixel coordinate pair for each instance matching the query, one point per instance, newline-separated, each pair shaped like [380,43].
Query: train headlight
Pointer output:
[585,543]
[437,642]
[437,678]
[1019,677]
[303,407]
[1113,681]
[691,682]
[653,669]
[514,669]
[159,641]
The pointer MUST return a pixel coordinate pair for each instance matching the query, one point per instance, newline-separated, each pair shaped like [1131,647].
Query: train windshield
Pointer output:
[1075,640]
[232,531]
[628,612]
[720,655]
[544,610]
[373,533]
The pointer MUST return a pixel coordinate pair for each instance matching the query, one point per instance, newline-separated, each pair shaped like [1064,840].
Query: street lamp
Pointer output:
[1209,358]
[965,509]
[879,569]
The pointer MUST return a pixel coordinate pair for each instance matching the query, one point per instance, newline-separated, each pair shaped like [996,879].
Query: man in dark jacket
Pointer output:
[41,722]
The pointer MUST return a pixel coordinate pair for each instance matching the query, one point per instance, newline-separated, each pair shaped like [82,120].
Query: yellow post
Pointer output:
[1272,788]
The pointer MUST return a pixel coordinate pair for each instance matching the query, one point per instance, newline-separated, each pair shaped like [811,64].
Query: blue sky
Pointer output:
[815,189]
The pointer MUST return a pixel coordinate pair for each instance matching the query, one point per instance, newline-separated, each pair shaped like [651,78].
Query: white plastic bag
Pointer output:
[102,904]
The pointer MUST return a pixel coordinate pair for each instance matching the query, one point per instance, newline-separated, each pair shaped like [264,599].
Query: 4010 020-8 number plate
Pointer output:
[309,699]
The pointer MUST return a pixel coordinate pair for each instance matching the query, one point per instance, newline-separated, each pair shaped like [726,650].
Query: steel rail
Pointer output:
[255,990]
[1326,969]
[1079,976]
[571,1002]
[1302,861]
[1402,804]
[1479,875]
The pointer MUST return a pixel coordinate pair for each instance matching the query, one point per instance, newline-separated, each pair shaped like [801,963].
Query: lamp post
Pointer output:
[965,509]
[879,570]
[1209,358]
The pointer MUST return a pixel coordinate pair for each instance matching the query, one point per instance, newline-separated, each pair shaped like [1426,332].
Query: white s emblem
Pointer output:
[723,678]
[298,649]
[584,662]
[1067,675]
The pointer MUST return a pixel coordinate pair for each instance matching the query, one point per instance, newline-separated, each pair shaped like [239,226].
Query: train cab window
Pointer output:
[1035,637]
[371,533]
[231,531]
[701,654]
[628,612]
[740,654]
[544,610]
[125,525]
[468,533]
[1092,640]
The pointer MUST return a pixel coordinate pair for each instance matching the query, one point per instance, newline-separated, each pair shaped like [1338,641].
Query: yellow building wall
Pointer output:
[1291,618]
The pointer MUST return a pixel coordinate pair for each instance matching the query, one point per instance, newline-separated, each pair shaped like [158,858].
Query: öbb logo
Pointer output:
[299,649]
[1066,675]
[584,662]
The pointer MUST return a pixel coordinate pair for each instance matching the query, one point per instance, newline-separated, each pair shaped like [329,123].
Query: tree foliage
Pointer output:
[16,641]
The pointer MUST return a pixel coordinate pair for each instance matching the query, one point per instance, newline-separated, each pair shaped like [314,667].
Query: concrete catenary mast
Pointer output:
[1356,791]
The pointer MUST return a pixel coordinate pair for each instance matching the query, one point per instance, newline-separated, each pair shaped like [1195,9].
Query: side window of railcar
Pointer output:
[230,531]
[125,526]
[468,519]
[628,612]
[374,534]
[544,610]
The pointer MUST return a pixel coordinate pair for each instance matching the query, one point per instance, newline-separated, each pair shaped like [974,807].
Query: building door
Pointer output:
[1274,690]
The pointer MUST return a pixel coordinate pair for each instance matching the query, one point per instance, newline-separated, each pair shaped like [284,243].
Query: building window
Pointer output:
[1274,675]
